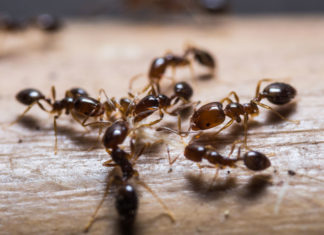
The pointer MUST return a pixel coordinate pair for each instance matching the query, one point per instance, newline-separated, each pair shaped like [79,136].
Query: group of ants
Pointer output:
[44,22]
[124,117]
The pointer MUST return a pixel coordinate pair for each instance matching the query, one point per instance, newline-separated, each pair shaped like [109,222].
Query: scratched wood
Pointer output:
[43,193]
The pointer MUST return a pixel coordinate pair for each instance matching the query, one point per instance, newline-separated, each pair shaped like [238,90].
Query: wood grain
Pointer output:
[43,193]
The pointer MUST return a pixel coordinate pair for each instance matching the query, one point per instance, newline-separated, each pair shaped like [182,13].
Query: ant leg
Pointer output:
[173,75]
[192,72]
[93,217]
[103,123]
[111,103]
[78,120]
[179,124]
[229,100]
[23,114]
[230,122]
[109,163]
[53,91]
[214,178]
[168,211]
[97,141]
[245,124]
[257,90]
[55,133]
[135,157]
[169,158]
[275,112]
[132,80]
[153,122]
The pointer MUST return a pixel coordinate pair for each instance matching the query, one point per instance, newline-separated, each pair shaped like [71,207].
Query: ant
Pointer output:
[253,160]
[11,24]
[76,102]
[126,197]
[203,57]
[159,65]
[47,23]
[213,114]
[156,102]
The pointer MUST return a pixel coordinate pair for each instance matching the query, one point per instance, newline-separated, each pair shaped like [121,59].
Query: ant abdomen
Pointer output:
[127,202]
[145,107]
[88,106]
[115,134]
[29,96]
[204,58]
[279,93]
[256,161]
[208,116]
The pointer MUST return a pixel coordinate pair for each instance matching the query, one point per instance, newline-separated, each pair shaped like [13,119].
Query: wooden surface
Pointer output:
[43,193]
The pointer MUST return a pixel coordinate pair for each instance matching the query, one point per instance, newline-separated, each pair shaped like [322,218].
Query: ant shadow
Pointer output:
[255,188]
[206,76]
[210,190]
[31,123]
[285,110]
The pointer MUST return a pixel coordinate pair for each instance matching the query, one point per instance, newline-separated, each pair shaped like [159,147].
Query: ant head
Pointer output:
[164,101]
[279,93]
[183,89]
[256,161]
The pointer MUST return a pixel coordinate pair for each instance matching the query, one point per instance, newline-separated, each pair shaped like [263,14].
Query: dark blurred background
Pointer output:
[142,8]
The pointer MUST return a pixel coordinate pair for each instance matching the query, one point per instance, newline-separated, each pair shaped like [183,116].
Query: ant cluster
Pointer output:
[43,22]
[123,119]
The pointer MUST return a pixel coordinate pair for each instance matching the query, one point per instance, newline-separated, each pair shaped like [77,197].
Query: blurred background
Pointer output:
[151,8]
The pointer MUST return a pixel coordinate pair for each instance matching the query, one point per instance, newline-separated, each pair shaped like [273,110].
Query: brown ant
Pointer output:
[253,160]
[213,114]
[159,65]
[160,102]
[76,102]
[203,57]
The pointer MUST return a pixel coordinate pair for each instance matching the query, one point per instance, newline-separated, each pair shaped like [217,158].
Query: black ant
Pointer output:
[76,102]
[213,114]
[126,197]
